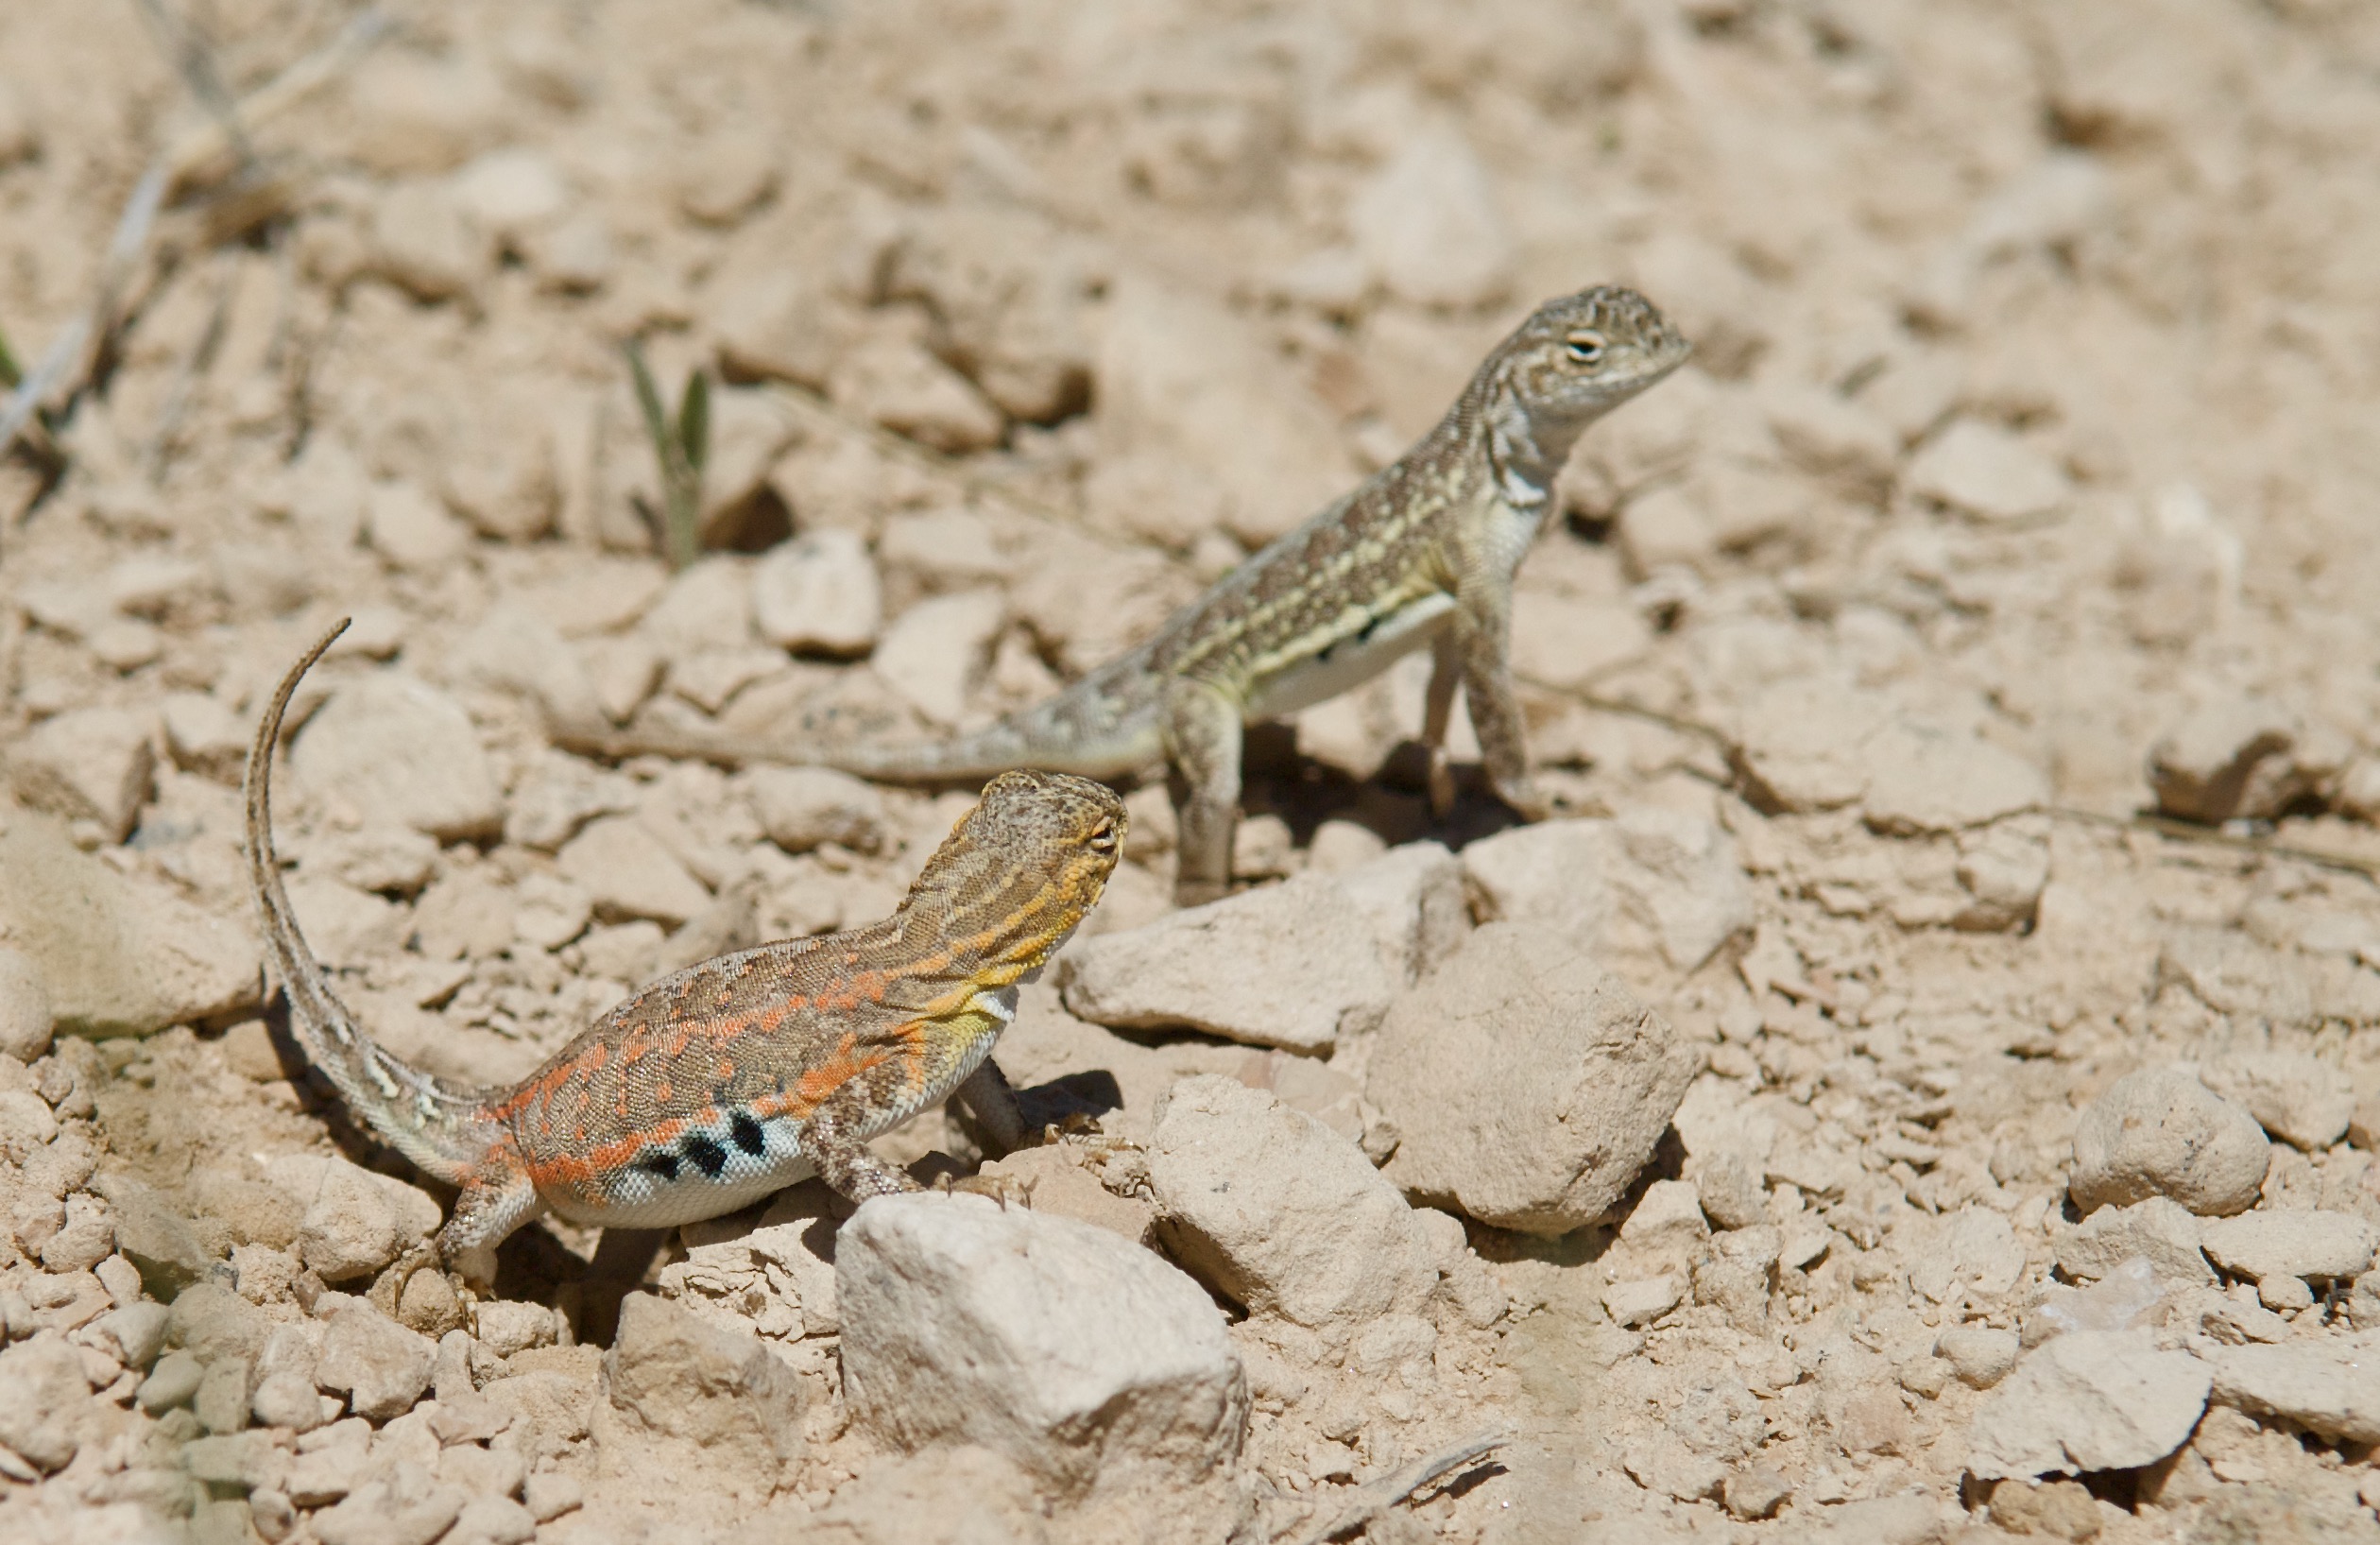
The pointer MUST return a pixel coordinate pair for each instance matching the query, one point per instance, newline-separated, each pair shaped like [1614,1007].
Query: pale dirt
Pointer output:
[1180,217]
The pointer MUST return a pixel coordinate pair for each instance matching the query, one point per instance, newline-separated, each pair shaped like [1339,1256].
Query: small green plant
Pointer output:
[10,373]
[680,446]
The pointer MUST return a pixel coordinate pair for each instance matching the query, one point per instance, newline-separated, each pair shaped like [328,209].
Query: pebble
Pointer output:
[1663,877]
[413,531]
[1078,1355]
[2227,757]
[380,1365]
[88,764]
[628,872]
[802,808]
[1413,896]
[898,384]
[516,649]
[1985,473]
[1923,779]
[2331,1391]
[356,1222]
[1280,1215]
[1294,965]
[27,1022]
[120,954]
[2329,1246]
[819,594]
[2159,1132]
[695,1385]
[1638,1302]
[43,1398]
[933,652]
[2303,1102]
[406,1506]
[1529,1083]
[394,745]
[1980,1355]
[2159,1230]
[2092,1400]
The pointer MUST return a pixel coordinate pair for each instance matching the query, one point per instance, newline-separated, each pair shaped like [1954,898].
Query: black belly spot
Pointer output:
[704,1155]
[748,1133]
[664,1165]
[1369,628]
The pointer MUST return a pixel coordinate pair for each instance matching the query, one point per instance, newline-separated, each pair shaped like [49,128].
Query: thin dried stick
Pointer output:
[1375,1497]
[78,347]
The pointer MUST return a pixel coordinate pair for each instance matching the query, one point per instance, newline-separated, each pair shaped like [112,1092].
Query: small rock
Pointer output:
[674,1376]
[42,1398]
[2229,759]
[2093,1401]
[508,192]
[1986,473]
[1921,779]
[899,386]
[155,1236]
[406,1506]
[2159,1230]
[203,736]
[2329,1246]
[1427,226]
[287,1400]
[1279,1213]
[514,649]
[1666,1223]
[2301,1100]
[1980,1355]
[138,1331]
[413,531]
[1656,883]
[1414,899]
[221,1403]
[120,954]
[628,872]
[2159,1132]
[1729,1187]
[549,1494]
[26,1123]
[1755,1493]
[379,1365]
[2061,1509]
[492,1520]
[1639,1303]
[424,242]
[1057,1344]
[1294,965]
[933,652]
[1529,1083]
[174,1381]
[2315,1387]
[27,1022]
[356,1222]
[88,764]
[2115,1302]
[394,745]
[801,808]
[819,594]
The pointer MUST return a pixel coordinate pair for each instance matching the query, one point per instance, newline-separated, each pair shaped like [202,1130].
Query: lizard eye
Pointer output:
[1586,348]
[1102,837]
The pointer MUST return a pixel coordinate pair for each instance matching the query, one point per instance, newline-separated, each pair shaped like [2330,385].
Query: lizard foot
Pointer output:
[1523,797]
[1440,781]
[1002,1189]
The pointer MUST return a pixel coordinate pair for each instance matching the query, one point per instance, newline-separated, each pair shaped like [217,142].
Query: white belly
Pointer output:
[1353,661]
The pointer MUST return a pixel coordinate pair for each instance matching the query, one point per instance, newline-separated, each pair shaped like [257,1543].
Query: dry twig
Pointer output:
[1373,1498]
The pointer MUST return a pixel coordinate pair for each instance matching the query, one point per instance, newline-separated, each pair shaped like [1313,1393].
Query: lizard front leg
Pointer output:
[1480,642]
[1446,674]
[1202,745]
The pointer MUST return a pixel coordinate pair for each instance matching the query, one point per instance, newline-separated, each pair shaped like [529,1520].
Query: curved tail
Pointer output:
[1092,729]
[441,1128]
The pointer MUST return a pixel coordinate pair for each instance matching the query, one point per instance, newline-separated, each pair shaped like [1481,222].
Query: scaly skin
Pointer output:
[727,1080]
[1424,552]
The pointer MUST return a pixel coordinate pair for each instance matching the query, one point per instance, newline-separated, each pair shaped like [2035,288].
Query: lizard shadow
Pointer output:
[1393,803]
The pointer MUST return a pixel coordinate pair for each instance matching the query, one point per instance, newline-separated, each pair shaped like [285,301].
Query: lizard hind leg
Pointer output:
[1201,742]
[495,1201]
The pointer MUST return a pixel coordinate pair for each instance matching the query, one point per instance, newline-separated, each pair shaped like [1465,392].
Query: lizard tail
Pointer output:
[1089,729]
[441,1128]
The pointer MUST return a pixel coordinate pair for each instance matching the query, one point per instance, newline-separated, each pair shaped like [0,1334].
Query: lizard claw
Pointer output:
[1002,1189]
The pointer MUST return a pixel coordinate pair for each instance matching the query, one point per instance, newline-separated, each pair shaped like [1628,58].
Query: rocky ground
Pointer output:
[1852,1120]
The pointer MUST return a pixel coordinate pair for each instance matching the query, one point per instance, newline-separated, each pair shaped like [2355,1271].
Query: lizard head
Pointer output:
[1023,867]
[1579,356]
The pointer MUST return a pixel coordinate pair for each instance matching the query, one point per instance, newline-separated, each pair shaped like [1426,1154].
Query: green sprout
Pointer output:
[10,373]
[679,447]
